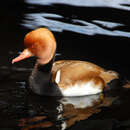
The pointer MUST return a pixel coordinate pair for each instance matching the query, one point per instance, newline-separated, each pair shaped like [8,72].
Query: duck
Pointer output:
[63,77]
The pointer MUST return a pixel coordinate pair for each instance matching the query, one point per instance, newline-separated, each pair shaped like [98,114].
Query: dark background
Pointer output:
[110,52]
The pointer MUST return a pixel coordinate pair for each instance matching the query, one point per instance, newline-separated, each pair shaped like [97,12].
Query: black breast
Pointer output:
[40,81]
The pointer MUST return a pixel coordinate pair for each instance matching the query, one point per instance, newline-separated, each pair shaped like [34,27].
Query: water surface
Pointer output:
[92,30]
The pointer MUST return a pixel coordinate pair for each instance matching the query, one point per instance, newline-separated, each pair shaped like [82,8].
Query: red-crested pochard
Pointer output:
[64,77]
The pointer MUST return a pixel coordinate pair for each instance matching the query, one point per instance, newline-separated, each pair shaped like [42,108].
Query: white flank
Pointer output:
[82,89]
[57,79]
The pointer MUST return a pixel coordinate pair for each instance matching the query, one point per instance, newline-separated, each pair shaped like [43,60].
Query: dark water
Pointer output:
[92,30]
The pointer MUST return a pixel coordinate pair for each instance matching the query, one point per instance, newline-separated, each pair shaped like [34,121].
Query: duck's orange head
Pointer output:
[40,43]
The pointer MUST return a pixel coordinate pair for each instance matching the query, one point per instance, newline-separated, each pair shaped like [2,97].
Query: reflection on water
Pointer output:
[68,111]
[38,19]
[108,24]
[121,4]
[107,111]
[55,21]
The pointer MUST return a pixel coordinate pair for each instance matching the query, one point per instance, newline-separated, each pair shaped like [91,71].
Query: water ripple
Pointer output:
[108,24]
[118,4]
[35,20]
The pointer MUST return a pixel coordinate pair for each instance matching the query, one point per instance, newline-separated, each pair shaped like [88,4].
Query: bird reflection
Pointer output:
[61,112]
[78,108]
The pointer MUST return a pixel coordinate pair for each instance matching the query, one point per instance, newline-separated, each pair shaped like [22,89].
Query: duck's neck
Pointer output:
[41,80]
